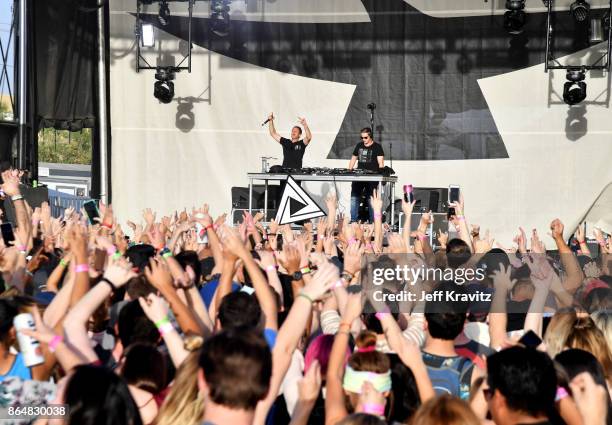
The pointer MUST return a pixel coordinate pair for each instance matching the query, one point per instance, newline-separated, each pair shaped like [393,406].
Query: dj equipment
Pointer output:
[318,171]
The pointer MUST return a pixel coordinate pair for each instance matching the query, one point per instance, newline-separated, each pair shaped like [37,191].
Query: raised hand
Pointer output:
[310,385]
[484,245]
[158,274]
[149,216]
[154,307]
[42,333]
[322,281]
[266,259]
[11,182]
[302,121]
[537,246]
[442,238]
[352,258]
[556,229]
[271,116]
[501,278]
[521,241]
[376,202]
[273,226]
[354,306]
[290,258]
[579,235]
[426,219]
[397,244]
[331,201]
[119,272]
[407,208]
[232,242]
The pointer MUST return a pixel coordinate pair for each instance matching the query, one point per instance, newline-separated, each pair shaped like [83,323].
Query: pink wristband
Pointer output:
[271,268]
[55,341]
[377,215]
[165,328]
[561,394]
[352,241]
[81,268]
[381,314]
[374,409]
[111,250]
[338,284]
[421,237]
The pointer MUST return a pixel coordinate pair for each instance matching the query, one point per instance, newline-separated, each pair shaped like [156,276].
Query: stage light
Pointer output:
[596,34]
[575,89]
[164,13]
[580,10]
[220,17]
[147,35]
[163,89]
[515,17]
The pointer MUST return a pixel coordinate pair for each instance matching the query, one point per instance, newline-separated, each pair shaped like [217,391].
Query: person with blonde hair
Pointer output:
[184,403]
[585,335]
[558,330]
[445,410]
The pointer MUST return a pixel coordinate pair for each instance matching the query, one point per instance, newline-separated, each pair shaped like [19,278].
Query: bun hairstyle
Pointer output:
[366,358]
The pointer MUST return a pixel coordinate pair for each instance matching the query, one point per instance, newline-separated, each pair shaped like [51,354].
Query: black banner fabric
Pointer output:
[65,40]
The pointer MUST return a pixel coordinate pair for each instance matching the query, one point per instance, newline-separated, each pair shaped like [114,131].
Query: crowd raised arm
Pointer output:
[161,328]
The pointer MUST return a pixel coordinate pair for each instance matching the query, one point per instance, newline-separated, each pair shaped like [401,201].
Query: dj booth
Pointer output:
[336,175]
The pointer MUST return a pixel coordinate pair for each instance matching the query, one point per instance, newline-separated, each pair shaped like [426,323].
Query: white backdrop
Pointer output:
[155,164]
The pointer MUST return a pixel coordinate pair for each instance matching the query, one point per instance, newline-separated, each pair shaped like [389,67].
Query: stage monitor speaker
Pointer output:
[34,196]
[240,197]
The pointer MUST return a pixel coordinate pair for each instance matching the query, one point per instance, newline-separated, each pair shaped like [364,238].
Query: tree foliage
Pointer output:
[65,147]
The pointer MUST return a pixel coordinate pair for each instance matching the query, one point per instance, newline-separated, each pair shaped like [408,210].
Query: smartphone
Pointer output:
[408,195]
[91,209]
[7,233]
[453,196]
[531,340]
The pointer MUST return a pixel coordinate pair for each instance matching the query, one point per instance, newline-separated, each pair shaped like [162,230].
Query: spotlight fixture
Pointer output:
[163,89]
[574,90]
[147,35]
[220,17]
[164,13]
[580,10]
[515,17]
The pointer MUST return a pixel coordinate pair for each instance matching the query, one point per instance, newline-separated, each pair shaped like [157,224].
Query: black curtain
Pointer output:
[65,40]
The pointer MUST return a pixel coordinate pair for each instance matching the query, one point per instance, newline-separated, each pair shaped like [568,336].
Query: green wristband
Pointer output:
[116,255]
[162,322]
[303,295]
[63,262]
[167,254]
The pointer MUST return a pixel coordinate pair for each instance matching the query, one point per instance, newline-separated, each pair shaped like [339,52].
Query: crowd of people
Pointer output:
[191,321]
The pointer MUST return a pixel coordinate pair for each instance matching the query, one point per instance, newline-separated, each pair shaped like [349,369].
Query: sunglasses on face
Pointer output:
[365,138]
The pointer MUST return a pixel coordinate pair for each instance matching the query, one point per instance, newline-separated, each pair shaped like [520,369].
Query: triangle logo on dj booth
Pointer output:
[296,204]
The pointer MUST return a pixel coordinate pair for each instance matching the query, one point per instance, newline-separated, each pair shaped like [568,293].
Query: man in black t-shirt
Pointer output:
[368,155]
[294,148]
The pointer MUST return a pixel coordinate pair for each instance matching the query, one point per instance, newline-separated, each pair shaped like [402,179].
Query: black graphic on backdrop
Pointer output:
[421,71]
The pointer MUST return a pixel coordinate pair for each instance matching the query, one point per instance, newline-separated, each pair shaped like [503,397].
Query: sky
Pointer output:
[6,7]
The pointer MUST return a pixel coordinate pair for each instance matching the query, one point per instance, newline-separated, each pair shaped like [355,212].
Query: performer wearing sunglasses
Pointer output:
[368,155]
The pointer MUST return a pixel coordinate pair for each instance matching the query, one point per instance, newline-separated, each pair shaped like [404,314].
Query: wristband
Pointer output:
[601,243]
[167,254]
[303,295]
[165,328]
[111,250]
[344,324]
[561,394]
[305,270]
[582,242]
[63,262]
[55,341]
[379,315]
[81,268]
[108,226]
[162,322]
[352,240]
[22,248]
[116,255]
[377,215]
[338,284]
[160,248]
[271,269]
[421,237]
[210,226]
[111,284]
[460,217]
[16,197]
[348,276]
[374,409]
[369,246]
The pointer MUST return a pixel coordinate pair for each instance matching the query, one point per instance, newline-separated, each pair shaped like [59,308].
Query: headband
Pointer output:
[353,380]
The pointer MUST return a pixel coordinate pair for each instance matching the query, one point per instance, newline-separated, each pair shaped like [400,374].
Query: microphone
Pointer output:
[266,122]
